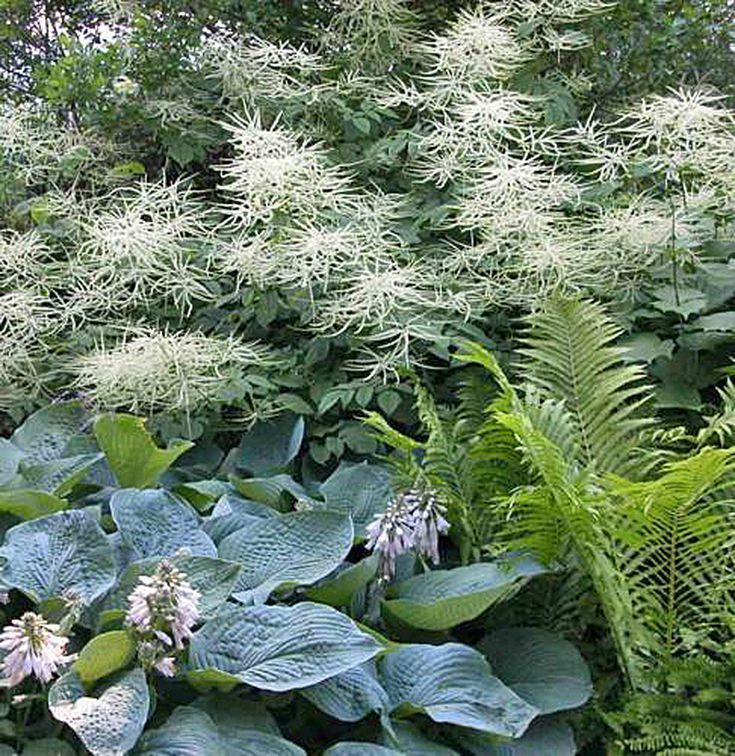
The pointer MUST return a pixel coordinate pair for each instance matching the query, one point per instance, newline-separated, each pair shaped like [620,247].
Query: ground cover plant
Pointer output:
[364,377]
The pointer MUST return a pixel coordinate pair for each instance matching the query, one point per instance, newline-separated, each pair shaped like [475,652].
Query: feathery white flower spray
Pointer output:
[25,260]
[155,371]
[34,647]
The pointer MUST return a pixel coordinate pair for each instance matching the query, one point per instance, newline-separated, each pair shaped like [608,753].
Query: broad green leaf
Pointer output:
[189,731]
[362,491]
[543,669]
[453,684]
[232,714]
[131,453]
[269,490]
[154,522]
[270,446]
[111,721]
[281,647]
[413,742]
[337,589]
[543,737]
[441,599]
[28,505]
[351,695]
[208,680]
[231,513]
[294,549]
[59,476]
[46,434]
[46,747]
[105,654]
[63,553]
[357,748]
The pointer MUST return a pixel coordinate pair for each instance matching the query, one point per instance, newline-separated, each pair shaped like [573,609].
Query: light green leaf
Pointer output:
[105,654]
[294,549]
[269,490]
[28,505]
[111,721]
[45,434]
[441,599]
[281,647]
[64,552]
[270,446]
[131,453]
[453,683]
[362,491]
[156,523]
[337,589]
[543,669]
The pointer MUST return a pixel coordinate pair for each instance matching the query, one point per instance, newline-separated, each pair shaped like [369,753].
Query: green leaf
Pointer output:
[64,552]
[389,401]
[46,747]
[269,490]
[105,654]
[270,446]
[413,742]
[543,669]
[45,434]
[453,684]
[131,453]
[28,505]
[298,548]
[441,599]
[549,738]
[362,491]
[156,523]
[111,721]
[337,589]
[281,648]
[645,347]
[684,301]
[351,695]
[357,748]
[10,458]
[231,513]
[59,476]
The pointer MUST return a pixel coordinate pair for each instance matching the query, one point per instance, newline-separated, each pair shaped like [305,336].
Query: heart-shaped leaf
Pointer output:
[108,723]
[453,683]
[298,548]
[441,599]
[281,647]
[156,523]
[361,491]
[64,553]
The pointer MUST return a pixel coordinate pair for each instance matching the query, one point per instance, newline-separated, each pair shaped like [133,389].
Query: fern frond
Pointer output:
[720,427]
[570,356]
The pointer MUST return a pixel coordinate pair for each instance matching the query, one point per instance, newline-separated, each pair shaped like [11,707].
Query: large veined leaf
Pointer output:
[337,589]
[46,434]
[453,684]
[281,647]
[351,695]
[545,670]
[412,742]
[154,522]
[232,714]
[27,504]
[298,548]
[441,599]
[269,446]
[189,731]
[231,513]
[10,458]
[544,737]
[131,453]
[271,490]
[108,723]
[362,491]
[64,553]
[58,476]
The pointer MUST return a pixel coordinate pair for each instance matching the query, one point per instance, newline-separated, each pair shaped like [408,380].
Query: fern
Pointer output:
[569,355]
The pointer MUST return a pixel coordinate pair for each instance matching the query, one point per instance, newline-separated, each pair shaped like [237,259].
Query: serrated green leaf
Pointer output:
[105,654]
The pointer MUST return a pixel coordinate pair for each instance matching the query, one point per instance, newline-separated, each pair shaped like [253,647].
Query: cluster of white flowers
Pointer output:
[34,646]
[413,520]
[163,609]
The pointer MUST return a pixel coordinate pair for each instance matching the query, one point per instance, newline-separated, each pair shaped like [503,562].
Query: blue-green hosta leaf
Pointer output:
[295,549]
[281,647]
[109,722]
[413,742]
[28,505]
[64,552]
[131,453]
[453,684]
[232,714]
[362,491]
[215,580]
[46,434]
[231,513]
[189,731]
[545,670]
[357,748]
[351,695]
[269,446]
[338,588]
[45,747]
[154,522]
[546,737]
[270,491]
[58,476]
[10,458]
[441,599]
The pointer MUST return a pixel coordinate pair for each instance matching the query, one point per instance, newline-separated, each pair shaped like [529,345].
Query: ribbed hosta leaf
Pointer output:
[108,723]
[355,748]
[453,684]
[64,552]
[154,522]
[279,647]
[545,670]
[543,738]
[58,476]
[45,434]
[269,446]
[441,599]
[295,549]
[413,742]
[231,513]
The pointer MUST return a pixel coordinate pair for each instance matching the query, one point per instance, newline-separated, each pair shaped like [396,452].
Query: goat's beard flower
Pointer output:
[164,605]
[36,647]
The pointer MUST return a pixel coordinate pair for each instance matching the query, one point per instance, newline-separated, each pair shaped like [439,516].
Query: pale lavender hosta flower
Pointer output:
[429,524]
[36,647]
[164,605]
[166,666]
[392,534]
